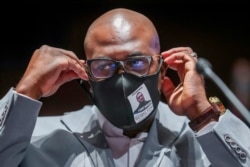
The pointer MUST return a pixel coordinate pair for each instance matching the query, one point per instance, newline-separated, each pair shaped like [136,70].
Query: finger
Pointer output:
[181,58]
[77,66]
[70,54]
[167,87]
[175,50]
[73,56]
[66,76]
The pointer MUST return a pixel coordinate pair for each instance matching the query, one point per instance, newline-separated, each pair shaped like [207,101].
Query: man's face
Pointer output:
[140,97]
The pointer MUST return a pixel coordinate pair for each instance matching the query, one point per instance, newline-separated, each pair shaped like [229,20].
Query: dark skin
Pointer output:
[117,34]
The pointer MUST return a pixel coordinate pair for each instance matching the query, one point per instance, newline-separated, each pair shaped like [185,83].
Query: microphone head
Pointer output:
[203,66]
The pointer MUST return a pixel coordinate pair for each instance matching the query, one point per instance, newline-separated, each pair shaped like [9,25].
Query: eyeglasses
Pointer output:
[103,68]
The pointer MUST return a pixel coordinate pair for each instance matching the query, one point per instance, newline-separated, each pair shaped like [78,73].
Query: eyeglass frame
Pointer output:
[120,64]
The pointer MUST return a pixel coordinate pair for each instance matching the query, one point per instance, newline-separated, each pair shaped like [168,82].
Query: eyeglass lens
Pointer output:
[105,68]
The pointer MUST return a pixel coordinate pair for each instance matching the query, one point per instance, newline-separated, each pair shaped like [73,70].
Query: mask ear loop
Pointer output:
[84,85]
[86,88]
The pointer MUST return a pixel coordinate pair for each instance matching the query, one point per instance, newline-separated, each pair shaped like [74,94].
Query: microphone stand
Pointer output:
[204,67]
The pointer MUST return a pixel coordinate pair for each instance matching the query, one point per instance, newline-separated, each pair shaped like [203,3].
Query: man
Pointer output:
[123,57]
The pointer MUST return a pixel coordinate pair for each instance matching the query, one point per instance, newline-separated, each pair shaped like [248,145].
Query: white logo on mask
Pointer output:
[141,103]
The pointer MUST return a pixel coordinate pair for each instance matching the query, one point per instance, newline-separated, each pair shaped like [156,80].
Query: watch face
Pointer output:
[217,104]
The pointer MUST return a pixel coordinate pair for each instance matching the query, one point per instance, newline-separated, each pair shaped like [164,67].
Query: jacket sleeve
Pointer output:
[18,115]
[228,142]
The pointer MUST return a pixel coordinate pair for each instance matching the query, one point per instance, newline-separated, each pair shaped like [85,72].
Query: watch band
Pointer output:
[204,118]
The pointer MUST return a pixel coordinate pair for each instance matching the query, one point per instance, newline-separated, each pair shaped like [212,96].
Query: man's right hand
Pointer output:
[48,69]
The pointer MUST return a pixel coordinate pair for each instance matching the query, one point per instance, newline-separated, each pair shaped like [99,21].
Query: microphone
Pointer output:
[204,68]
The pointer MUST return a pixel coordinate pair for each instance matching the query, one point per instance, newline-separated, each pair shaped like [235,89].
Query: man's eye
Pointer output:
[137,64]
[103,67]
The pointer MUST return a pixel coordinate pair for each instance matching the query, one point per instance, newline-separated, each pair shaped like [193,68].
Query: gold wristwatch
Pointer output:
[210,114]
[217,104]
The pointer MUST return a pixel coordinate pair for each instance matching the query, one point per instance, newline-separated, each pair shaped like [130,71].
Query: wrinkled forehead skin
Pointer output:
[120,32]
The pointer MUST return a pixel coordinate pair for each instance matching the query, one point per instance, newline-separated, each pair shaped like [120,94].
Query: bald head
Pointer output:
[120,30]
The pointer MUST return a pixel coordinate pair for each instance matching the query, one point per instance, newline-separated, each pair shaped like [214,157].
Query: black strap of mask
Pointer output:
[83,84]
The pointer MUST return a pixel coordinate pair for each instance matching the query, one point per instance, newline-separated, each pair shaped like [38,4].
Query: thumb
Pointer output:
[167,87]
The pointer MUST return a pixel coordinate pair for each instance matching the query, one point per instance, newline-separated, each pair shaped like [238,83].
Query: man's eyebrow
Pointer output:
[103,56]
[136,54]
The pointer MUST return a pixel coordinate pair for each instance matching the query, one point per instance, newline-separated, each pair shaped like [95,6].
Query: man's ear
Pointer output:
[162,75]
[164,68]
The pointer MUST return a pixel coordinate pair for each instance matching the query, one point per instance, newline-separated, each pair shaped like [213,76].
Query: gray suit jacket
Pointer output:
[75,139]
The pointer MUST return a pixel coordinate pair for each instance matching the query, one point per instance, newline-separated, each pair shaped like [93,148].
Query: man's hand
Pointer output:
[189,97]
[48,69]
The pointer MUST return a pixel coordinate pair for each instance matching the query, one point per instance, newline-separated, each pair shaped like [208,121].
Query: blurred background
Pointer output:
[219,32]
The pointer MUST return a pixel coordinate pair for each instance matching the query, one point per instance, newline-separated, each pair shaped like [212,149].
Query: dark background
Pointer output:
[217,31]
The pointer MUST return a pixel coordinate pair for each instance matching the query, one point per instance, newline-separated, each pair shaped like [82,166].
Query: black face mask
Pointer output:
[127,101]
